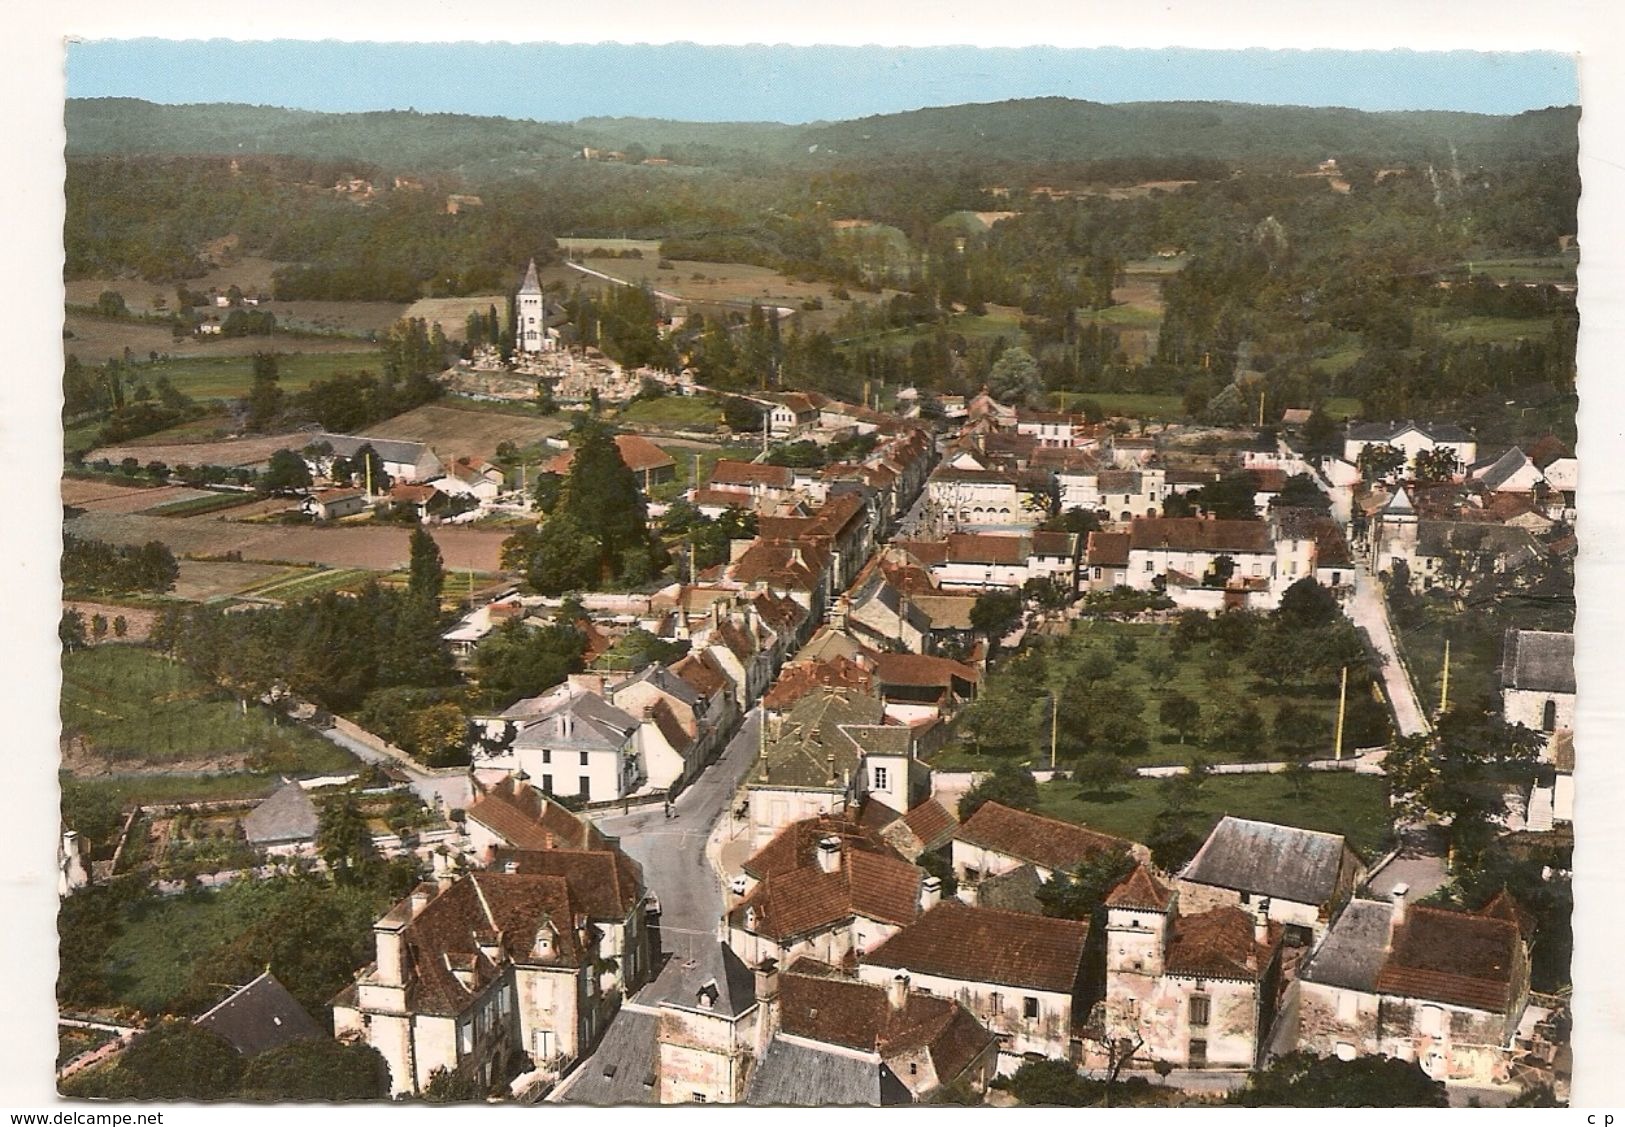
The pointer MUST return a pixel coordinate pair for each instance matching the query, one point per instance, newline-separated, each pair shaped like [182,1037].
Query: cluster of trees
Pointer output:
[596,529]
[517,661]
[333,649]
[707,539]
[96,565]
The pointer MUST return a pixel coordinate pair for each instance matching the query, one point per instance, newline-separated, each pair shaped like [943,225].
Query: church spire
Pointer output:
[531,285]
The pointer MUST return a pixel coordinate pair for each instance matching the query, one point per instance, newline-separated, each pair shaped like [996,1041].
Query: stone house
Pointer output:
[403,461]
[1446,989]
[1106,561]
[978,497]
[1020,976]
[1304,877]
[1410,438]
[283,824]
[1185,551]
[829,1040]
[470,974]
[833,906]
[331,504]
[1537,679]
[1193,991]
[998,839]
[574,742]
[809,765]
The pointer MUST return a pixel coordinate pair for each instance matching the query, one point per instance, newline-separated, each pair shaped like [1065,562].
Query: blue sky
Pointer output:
[552,82]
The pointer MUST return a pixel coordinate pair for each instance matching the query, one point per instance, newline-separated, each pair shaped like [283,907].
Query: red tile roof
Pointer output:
[637,452]
[606,883]
[523,817]
[1108,549]
[724,498]
[1220,944]
[956,941]
[702,673]
[1053,844]
[1053,544]
[1457,958]
[858,1015]
[808,901]
[1141,889]
[970,547]
[804,677]
[932,823]
[923,670]
[796,846]
[1194,534]
[729,472]
[794,567]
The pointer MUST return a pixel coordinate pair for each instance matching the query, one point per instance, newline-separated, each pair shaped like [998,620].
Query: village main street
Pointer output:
[679,874]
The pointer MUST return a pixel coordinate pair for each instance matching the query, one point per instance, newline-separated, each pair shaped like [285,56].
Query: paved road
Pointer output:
[676,869]
[1367,609]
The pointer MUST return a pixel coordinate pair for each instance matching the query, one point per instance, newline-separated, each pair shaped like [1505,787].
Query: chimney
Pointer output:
[829,854]
[424,892]
[391,951]
[829,760]
[581,932]
[1261,923]
[897,992]
[930,893]
[838,613]
[767,980]
[1400,896]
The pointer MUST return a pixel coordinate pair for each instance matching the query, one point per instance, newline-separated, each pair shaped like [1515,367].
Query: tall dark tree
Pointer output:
[426,572]
[320,1069]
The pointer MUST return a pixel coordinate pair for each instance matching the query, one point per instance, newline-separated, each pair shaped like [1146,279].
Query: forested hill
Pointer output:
[1032,130]
[1063,129]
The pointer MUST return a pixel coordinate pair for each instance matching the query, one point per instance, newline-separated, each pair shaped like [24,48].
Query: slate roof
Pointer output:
[1220,943]
[1048,842]
[1456,958]
[1540,661]
[969,944]
[1014,891]
[1195,534]
[1387,432]
[1352,954]
[1499,472]
[259,1017]
[1513,547]
[530,284]
[579,722]
[287,816]
[664,680]
[812,747]
[387,449]
[1281,862]
[713,969]
[625,1067]
[792,1074]
[1141,889]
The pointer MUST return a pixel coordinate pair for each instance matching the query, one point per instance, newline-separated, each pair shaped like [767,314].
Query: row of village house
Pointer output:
[844,975]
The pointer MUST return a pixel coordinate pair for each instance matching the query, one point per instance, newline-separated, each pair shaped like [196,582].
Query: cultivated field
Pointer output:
[452,312]
[454,431]
[372,547]
[126,709]
[203,580]
[138,620]
[246,451]
[230,377]
[113,499]
[95,339]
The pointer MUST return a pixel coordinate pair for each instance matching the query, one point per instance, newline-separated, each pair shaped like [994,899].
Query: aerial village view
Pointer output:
[1034,602]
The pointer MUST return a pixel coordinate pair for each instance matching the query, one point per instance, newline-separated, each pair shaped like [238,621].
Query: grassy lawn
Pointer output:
[1553,268]
[1498,329]
[152,959]
[683,412]
[1355,806]
[1336,363]
[697,465]
[128,790]
[1026,692]
[1476,636]
[1133,316]
[229,377]
[136,709]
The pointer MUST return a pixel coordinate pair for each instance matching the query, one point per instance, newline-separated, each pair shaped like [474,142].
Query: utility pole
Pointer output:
[1342,708]
[1444,689]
